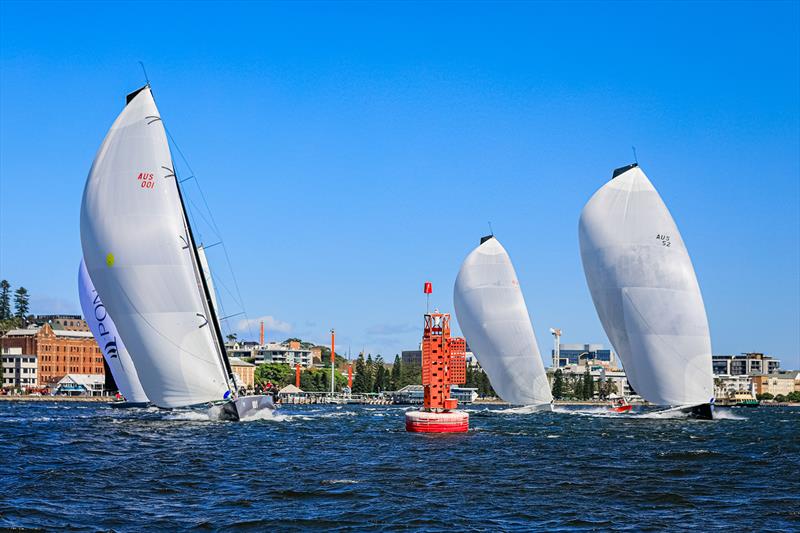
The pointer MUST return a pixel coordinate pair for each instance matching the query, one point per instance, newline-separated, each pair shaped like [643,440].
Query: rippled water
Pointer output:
[86,466]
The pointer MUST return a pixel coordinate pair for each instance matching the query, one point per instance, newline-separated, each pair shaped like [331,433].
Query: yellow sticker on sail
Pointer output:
[110,259]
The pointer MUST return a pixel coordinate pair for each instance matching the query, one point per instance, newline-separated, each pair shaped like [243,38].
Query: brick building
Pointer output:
[58,352]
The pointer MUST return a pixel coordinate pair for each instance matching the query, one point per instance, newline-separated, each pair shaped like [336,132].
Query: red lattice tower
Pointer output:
[443,362]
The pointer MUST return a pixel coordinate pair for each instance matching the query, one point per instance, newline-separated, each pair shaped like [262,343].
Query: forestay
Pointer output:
[140,256]
[492,314]
[645,290]
[109,340]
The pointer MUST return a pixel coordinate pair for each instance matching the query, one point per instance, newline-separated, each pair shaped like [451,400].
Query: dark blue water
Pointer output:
[85,466]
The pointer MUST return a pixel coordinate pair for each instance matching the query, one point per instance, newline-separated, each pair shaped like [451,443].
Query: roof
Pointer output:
[83,379]
[290,389]
[235,361]
[58,333]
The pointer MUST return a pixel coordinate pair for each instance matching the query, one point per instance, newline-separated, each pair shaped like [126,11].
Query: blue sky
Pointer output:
[349,152]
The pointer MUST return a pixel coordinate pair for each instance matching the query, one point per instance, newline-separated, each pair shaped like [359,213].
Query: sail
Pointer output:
[140,255]
[645,290]
[201,253]
[492,314]
[109,341]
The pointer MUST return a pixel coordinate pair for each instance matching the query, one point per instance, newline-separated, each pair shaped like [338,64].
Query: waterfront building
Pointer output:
[600,373]
[727,387]
[58,352]
[744,364]
[291,353]
[411,357]
[80,385]
[782,382]
[573,354]
[67,322]
[246,372]
[414,394]
[19,370]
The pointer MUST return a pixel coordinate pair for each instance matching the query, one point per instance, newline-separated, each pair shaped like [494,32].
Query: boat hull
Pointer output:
[621,409]
[243,407]
[128,405]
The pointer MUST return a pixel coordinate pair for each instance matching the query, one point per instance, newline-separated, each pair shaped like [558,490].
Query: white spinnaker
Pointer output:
[645,291]
[109,340]
[492,314]
[139,254]
[201,253]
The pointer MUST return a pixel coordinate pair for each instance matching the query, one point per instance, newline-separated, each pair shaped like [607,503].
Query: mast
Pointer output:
[212,314]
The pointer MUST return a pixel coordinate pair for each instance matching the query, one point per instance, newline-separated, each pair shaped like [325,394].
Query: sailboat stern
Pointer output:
[704,411]
[244,407]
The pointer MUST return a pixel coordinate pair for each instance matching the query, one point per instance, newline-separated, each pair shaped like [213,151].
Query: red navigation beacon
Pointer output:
[443,364]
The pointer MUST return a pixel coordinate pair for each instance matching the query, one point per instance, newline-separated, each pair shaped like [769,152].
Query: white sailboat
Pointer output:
[646,293]
[110,343]
[141,255]
[492,314]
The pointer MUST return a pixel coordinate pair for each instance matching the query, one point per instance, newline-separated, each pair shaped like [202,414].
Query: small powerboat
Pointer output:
[619,404]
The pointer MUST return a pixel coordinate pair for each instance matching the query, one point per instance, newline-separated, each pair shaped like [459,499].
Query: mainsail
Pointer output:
[141,256]
[492,314]
[109,341]
[645,290]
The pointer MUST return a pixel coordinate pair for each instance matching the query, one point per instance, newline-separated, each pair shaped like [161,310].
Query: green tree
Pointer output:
[370,374]
[278,374]
[361,379]
[381,375]
[764,396]
[780,398]
[577,388]
[793,397]
[397,368]
[231,337]
[5,300]
[21,303]
[558,384]
[588,385]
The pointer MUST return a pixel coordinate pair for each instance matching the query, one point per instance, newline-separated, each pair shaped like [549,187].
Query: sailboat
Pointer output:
[646,293]
[110,343]
[492,314]
[141,254]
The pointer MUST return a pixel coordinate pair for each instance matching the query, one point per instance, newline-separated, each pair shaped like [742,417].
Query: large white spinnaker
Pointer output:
[492,314]
[109,340]
[140,254]
[645,291]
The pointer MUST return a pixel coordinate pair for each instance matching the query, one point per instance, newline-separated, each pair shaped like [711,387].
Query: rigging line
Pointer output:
[216,228]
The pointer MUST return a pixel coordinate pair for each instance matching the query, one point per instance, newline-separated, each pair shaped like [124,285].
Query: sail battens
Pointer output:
[492,314]
[645,291]
[151,285]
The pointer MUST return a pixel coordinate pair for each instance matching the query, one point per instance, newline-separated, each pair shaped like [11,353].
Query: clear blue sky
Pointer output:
[350,152]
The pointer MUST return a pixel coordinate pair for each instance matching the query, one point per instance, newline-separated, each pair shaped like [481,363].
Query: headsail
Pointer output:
[492,314]
[201,253]
[109,340]
[645,290]
[140,254]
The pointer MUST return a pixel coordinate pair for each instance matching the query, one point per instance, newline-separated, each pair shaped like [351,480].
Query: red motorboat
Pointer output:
[619,404]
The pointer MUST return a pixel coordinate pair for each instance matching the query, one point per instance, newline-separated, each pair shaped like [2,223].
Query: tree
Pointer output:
[397,368]
[764,396]
[577,388]
[588,385]
[5,300]
[780,398]
[21,303]
[231,337]
[278,374]
[361,379]
[370,374]
[558,384]
[381,375]
[793,397]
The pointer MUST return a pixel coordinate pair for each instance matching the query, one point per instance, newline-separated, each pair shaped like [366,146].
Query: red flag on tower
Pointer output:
[428,287]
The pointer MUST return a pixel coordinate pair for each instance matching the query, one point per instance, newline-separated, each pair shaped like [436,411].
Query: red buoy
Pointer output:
[443,364]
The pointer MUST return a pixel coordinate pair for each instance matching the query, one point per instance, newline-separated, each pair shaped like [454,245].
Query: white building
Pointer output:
[726,387]
[18,369]
[291,353]
[80,385]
